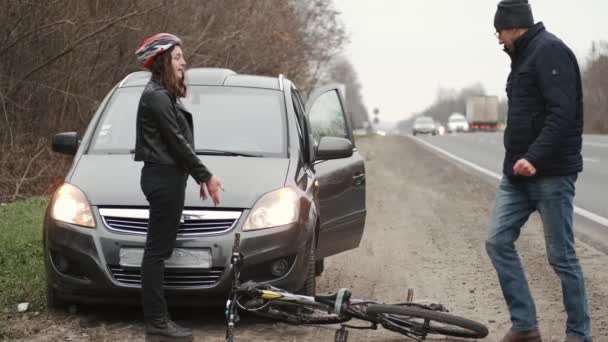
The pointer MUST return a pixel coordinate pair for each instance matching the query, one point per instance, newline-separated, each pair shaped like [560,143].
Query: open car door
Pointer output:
[341,181]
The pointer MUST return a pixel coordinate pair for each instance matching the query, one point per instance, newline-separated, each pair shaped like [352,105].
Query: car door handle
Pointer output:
[359,179]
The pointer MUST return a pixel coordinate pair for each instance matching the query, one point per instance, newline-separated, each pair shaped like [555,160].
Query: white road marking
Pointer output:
[580,211]
[591,160]
[460,160]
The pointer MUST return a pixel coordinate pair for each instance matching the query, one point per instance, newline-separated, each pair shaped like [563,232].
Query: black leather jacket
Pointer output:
[165,132]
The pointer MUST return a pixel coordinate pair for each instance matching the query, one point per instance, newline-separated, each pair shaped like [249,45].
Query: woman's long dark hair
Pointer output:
[162,71]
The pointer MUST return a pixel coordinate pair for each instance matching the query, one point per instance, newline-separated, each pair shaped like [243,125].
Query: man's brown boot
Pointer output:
[522,336]
[574,339]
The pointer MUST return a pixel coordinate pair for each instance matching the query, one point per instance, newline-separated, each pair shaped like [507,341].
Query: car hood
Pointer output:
[109,180]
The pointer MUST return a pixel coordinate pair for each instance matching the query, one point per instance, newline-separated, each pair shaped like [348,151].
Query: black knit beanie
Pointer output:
[513,14]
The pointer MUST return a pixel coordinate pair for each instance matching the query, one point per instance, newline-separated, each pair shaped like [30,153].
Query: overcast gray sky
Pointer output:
[405,50]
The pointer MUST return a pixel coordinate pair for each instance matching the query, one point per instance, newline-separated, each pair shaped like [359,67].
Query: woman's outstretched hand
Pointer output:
[212,187]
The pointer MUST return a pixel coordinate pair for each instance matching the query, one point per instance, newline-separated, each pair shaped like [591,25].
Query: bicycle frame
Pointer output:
[286,297]
[231,311]
[277,295]
[342,306]
[271,295]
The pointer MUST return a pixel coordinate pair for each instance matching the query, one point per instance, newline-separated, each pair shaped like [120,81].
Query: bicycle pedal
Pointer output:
[341,335]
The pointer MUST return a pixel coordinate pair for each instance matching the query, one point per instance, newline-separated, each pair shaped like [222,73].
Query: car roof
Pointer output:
[457,117]
[209,77]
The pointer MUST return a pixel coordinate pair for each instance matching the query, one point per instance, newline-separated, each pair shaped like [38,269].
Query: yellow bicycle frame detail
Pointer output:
[269,295]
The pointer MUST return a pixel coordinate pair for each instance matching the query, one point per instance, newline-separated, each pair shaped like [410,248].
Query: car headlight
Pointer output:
[71,205]
[276,208]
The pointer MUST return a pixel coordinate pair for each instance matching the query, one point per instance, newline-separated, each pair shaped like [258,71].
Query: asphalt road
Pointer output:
[486,151]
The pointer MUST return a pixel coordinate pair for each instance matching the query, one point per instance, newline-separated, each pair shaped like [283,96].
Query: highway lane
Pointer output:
[487,151]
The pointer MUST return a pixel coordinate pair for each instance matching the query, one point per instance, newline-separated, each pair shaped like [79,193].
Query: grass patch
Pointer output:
[22,276]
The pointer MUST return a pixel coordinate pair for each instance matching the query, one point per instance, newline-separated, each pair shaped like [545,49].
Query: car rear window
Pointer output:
[424,121]
[458,120]
[238,119]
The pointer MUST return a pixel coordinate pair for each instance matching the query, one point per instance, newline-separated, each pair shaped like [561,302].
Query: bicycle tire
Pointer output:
[447,324]
[299,314]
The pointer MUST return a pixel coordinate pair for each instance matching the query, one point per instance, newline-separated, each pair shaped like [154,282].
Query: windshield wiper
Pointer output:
[226,153]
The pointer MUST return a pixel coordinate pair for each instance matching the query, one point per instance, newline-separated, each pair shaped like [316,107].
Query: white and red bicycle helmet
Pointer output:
[154,46]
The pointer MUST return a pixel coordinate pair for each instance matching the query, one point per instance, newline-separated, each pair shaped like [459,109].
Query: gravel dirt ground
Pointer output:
[425,230]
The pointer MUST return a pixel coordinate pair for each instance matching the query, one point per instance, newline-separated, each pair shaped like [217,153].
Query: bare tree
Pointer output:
[595,83]
[59,58]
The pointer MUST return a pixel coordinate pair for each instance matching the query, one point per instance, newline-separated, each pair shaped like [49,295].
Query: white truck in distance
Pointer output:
[482,113]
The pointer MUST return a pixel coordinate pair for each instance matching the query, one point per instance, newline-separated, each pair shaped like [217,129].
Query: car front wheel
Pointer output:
[319,267]
[310,285]
[53,300]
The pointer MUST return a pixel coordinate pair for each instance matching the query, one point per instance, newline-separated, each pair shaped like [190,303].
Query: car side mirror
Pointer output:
[333,148]
[66,143]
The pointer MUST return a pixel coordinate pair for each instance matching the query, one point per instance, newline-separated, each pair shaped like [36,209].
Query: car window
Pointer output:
[424,121]
[239,119]
[246,120]
[327,117]
[458,120]
[116,130]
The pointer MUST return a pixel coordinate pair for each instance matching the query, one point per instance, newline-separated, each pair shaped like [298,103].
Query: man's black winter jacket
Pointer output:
[545,118]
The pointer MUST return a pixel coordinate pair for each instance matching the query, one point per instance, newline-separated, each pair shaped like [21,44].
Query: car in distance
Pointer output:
[424,125]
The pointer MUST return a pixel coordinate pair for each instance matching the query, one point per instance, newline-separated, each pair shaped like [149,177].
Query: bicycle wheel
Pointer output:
[412,318]
[230,335]
[297,313]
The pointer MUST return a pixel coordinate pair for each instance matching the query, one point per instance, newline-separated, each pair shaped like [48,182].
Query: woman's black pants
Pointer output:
[164,187]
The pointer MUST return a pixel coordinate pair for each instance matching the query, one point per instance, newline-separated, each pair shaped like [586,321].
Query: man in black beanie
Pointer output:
[543,143]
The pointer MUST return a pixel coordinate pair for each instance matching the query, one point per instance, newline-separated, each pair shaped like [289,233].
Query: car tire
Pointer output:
[310,285]
[319,267]
[54,302]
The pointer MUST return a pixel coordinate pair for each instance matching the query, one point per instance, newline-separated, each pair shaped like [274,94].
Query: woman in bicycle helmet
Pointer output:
[165,143]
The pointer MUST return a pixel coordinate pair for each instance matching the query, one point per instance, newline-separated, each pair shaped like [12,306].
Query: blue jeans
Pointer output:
[515,201]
